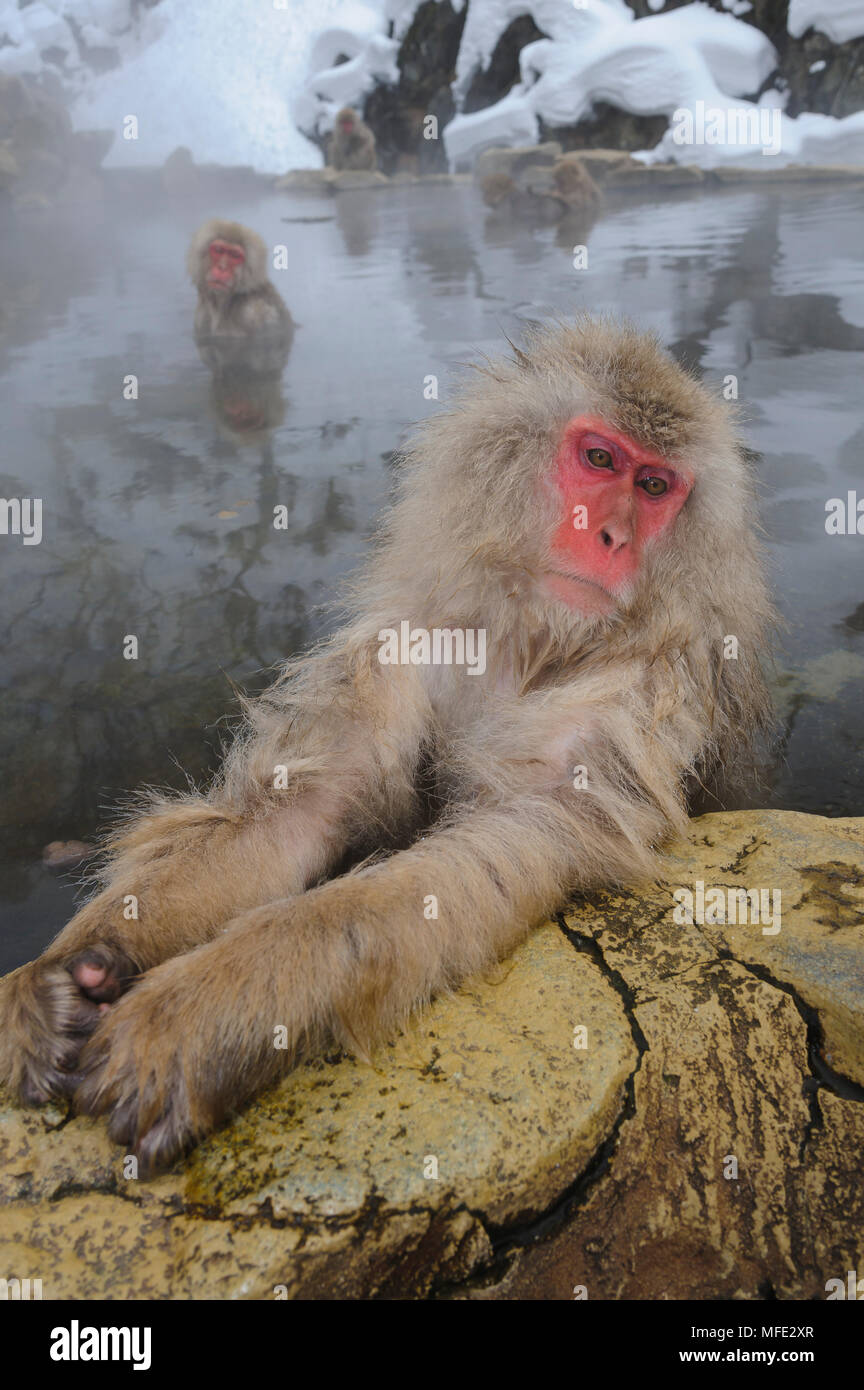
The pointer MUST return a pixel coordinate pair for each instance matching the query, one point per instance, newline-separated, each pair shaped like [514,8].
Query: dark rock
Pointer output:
[609,128]
[490,84]
[427,66]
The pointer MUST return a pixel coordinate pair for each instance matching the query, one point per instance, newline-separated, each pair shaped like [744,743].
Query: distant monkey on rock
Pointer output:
[582,519]
[352,144]
[227,263]
[543,192]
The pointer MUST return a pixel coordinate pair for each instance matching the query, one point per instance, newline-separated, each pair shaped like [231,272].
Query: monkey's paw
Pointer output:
[48,1010]
[148,1066]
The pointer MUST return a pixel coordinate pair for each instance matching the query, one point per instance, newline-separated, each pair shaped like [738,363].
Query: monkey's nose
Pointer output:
[614,536]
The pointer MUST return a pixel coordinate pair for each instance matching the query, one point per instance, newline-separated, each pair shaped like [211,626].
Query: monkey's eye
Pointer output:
[599,458]
[655,487]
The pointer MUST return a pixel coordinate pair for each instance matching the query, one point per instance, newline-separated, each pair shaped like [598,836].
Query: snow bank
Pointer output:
[779,140]
[841,20]
[216,75]
[356,33]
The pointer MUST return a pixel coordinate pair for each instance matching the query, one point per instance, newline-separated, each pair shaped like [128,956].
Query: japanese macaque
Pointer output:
[543,192]
[352,144]
[227,263]
[533,669]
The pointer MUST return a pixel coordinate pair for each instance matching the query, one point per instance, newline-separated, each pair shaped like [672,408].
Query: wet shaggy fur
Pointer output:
[355,150]
[438,781]
[254,307]
[543,191]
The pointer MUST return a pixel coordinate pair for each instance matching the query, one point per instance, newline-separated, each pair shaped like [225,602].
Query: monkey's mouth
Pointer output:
[584,594]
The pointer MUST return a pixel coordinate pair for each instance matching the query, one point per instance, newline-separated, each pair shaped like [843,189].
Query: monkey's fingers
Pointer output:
[103,972]
[45,1022]
[129,1072]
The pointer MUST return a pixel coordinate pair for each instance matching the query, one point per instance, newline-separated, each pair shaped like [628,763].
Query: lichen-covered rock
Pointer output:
[655,176]
[315,180]
[347,179]
[653,1101]
[816,946]
[349,1180]
[736,1172]
[787,173]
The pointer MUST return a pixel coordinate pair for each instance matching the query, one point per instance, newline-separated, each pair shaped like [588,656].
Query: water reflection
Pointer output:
[246,385]
[159,512]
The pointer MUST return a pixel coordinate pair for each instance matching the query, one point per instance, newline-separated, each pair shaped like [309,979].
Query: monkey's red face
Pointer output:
[617,498]
[346,124]
[226,258]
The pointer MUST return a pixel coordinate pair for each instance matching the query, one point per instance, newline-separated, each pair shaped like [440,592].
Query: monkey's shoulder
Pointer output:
[262,309]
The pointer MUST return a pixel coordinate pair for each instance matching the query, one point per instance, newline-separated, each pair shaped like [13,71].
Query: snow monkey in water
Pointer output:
[585,504]
[352,144]
[227,263]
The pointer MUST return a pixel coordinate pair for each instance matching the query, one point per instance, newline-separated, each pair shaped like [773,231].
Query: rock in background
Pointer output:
[44,162]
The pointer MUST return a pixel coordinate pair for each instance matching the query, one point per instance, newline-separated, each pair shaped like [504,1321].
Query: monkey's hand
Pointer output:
[190,1043]
[348,961]
[200,1034]
[48,1009]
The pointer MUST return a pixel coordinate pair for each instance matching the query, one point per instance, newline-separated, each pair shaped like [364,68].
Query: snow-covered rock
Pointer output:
[648,66]
[841,20]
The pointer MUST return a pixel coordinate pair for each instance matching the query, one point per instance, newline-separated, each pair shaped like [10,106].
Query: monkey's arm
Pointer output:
[297,794]
[348,961]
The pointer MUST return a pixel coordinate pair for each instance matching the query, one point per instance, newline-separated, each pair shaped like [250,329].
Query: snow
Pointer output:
[217,77]
[650,66]
[238,82]
[841,20]
[690,60]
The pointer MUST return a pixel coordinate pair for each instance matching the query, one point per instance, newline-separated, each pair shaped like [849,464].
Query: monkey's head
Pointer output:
[346,120]
[591,463]
[587,487]
[226,259]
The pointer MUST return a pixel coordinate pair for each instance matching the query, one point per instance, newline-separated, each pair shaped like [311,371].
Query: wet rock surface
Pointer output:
[635,1105]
